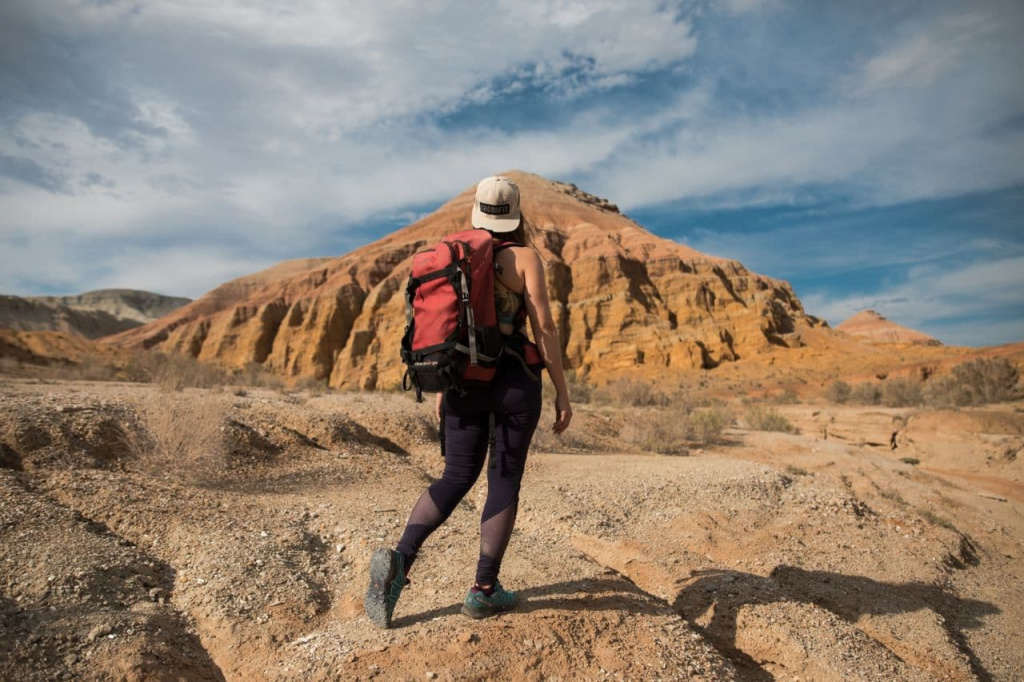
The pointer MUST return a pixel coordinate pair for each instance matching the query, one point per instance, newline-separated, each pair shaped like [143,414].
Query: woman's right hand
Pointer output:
[563,414]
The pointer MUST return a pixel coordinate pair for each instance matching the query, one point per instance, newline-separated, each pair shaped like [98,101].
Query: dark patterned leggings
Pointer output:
[515,400]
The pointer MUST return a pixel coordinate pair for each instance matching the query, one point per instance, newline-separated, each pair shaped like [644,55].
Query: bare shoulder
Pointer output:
[527,259]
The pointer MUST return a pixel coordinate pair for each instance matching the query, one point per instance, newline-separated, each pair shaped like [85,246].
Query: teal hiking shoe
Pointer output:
[387,580]
[479,605]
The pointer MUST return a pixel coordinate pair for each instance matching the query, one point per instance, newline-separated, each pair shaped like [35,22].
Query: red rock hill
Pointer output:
[626,301]
[874,327]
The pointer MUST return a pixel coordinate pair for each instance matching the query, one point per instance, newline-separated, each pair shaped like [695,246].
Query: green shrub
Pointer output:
[838,392]
[708,424]
[912,461]
[760,418]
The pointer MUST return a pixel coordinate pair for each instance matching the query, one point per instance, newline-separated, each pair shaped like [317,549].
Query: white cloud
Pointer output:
[273,125]
[933,297]
[925,57]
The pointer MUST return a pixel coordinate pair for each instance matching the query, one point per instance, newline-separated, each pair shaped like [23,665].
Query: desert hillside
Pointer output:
[214,535]
[874,326]
[93,314]
[625,300]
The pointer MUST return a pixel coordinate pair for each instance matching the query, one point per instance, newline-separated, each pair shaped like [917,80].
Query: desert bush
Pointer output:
[631,393]
[945,392]
[708,424]
[761,418]
[933,518]
[657,430]
[96,368]
[184,437]
[978,382]
[173,371]
[901,392]
[838,392]
[579,390]
[309,384]
[912,461]
[865,393]
[788,397]
[255,375]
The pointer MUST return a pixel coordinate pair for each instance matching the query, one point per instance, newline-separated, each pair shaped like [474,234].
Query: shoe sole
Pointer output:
[382,571]
[486,612]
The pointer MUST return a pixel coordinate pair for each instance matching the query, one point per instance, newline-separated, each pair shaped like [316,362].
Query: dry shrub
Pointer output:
[662,431]
[173,371]
[184,436]
[310,385]
[866,393]
[787,397]
[96,368]
[669,430]
[978,382]
[254,375]
[708,424]
[838,392]
[630,393]
[579,390]
[901,392]
[761,418]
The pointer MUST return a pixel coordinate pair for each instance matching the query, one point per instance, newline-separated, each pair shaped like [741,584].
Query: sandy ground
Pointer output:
[209,535]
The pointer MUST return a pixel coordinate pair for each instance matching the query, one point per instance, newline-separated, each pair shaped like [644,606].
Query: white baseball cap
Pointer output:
[496,206]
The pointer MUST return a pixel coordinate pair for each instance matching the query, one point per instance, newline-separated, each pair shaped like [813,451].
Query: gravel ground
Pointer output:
[208,534]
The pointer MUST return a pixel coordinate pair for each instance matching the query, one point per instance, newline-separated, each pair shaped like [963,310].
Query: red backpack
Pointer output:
[452,339]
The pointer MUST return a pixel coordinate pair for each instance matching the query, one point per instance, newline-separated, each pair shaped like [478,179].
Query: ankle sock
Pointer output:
[487,591]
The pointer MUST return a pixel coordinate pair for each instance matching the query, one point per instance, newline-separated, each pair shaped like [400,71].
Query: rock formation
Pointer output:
[93,315]
[125,304]
[874,327]
[626,301]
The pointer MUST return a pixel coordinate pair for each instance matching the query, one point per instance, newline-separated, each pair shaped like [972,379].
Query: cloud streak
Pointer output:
[174,127]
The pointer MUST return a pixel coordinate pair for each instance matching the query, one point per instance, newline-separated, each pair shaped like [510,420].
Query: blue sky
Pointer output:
[870,153]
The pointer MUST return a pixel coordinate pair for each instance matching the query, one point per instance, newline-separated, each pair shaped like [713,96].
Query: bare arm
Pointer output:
[538,307]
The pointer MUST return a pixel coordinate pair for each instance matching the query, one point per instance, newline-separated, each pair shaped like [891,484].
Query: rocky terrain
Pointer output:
[625,301]
[212,534]
[873,326]
[93,314]
[21,352]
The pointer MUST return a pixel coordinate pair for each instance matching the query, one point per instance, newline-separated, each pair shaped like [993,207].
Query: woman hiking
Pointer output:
[511,403]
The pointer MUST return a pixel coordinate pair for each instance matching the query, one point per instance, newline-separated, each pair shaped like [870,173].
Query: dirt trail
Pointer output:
[774,556]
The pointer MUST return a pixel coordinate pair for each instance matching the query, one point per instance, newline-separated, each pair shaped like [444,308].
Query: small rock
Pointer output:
[431,676]
[158,594]
[98,631]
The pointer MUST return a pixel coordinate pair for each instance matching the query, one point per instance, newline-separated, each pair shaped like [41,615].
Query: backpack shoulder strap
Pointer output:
[502,245]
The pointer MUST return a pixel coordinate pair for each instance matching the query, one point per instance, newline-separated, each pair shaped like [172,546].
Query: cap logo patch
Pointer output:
[492,209]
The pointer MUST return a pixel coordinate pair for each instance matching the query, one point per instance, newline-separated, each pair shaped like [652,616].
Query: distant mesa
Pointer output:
[873,326]
[93,314]
[626,302]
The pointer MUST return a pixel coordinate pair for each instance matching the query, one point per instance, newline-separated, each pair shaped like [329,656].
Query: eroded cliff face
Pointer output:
[626,302]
